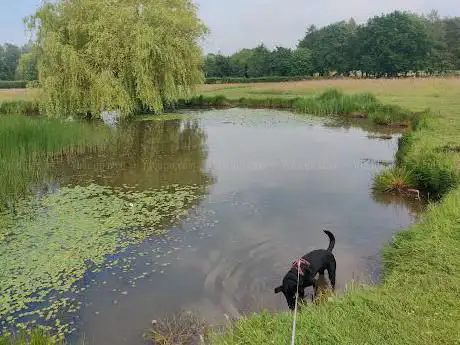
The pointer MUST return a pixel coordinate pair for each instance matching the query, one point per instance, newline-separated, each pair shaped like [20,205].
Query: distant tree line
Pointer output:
[17,63]
[389,45]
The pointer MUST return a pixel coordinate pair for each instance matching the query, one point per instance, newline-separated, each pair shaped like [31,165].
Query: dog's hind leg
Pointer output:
[331,271]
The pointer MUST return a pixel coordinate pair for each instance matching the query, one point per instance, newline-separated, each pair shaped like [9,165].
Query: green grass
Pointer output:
[27,143]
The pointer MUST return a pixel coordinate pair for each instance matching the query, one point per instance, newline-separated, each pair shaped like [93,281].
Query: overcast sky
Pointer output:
[237,24]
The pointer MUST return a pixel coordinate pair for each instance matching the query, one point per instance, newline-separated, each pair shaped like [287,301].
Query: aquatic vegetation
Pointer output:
[27,144]
[49,244]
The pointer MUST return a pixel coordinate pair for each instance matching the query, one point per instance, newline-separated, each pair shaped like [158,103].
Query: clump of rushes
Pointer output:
[395,180]
[182,329]
[361,105]
[389,115]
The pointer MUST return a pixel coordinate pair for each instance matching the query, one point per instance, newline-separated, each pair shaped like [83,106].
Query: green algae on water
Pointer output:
[49,244]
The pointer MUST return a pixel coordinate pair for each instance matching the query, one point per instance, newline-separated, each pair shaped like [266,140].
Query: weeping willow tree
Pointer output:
[116,55]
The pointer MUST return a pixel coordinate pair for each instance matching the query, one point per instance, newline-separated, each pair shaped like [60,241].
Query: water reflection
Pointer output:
[415,206]
[366,125]
[143,154]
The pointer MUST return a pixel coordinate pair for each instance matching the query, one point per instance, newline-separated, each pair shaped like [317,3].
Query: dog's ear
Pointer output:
[278,289]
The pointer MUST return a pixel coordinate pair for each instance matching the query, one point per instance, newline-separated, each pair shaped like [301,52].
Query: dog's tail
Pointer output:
[331,240]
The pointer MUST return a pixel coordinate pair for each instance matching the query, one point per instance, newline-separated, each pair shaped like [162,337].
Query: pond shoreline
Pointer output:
[331,102]
[395,257]
[410,291]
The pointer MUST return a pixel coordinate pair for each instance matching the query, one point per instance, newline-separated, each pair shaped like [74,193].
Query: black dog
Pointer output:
[316,261]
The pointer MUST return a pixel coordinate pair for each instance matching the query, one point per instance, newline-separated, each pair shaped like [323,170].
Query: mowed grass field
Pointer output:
[415,94]
[18,94]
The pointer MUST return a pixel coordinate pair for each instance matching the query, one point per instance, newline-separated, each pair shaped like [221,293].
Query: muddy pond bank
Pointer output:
[252,191]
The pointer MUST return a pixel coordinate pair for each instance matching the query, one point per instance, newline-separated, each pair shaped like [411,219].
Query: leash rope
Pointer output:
[294,321]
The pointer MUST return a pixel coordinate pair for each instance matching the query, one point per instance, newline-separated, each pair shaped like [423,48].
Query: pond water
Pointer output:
[269,182]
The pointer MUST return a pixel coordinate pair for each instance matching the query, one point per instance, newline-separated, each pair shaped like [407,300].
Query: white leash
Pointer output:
[295,307]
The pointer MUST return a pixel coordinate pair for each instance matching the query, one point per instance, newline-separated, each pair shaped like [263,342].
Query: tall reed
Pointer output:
[19,107]
[27,144]
[36,337]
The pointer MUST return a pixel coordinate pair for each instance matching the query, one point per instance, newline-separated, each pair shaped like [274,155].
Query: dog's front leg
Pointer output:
[301,293]
[315,289]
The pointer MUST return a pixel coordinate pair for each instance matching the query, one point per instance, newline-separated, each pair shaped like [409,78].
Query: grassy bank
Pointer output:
[417,302]
[331,102]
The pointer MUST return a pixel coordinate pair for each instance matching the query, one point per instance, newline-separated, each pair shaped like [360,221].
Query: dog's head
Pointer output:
[289,285]
[289,289]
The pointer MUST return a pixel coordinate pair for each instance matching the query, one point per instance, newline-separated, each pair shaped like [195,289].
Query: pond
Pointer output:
[242,192]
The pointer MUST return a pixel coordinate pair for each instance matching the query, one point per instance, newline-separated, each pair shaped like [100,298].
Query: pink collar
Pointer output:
[297,265]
